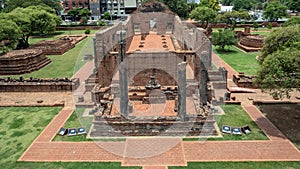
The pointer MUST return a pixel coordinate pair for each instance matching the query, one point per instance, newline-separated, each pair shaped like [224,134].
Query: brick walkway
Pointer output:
[157,153]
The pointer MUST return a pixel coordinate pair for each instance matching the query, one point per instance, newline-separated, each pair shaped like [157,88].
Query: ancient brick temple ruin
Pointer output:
[154,77]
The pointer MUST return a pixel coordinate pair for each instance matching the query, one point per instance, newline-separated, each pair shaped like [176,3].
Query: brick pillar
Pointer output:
[123,75]
[123,78]
[182,90]
[203,85]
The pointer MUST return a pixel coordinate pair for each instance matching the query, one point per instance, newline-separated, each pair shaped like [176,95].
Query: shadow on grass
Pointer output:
[51,35]
[225,51]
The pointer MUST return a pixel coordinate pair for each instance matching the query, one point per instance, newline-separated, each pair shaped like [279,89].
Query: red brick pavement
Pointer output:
[154,151]
[57,122]
[240,151]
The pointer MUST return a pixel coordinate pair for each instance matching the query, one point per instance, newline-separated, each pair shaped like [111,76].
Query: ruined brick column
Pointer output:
[204,66]
[123,75]
[182,90]
[96,62]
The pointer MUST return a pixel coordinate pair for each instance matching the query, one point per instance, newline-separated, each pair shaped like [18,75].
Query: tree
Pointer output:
[255,25]
[42,21]
[242,5]
[74,13]
[192,6]
[227,2]
[213,4]
[13,4]
[204,15]
[293,21]
[84,13]
[224,38]
[29,20]
[293,5]
[274,11]
[230,18]
[106,15]
[9,35]
[51,11]
[280,73]
[54,4]
[280,39]
[180,7]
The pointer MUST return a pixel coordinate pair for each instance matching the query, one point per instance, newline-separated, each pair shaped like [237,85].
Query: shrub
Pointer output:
[102,23]
[269,26]
[255,25]
[87,31]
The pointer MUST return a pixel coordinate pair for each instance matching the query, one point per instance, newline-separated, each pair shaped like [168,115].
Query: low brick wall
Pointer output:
[80,28]
[38,85]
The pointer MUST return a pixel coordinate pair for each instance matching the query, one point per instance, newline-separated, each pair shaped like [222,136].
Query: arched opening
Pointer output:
[162,77]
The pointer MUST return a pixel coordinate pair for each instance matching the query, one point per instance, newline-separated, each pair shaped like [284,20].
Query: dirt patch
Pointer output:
[286,117]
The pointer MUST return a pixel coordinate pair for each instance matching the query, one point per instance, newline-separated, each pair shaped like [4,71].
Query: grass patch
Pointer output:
[239,165]
[236,116]
[35,39]
[76,120]
[64,65]
[263,33]
[13,142]
[17,131]
[238,60]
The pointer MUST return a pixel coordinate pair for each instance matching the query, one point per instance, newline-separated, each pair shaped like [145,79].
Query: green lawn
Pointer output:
[241,165]
[67,64]
[19,126]
[236,116]
[35,39]
[263,33]
[239,60]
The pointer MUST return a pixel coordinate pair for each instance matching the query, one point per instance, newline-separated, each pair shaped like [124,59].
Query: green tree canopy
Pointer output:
[180,7]
[9,35]
[293,5]
[13,4]
[280,39]
[204,15]
[224,38]
[29,20]
[74,13]
[293,21]
[280,73]
[242,5]
[213,4]
[274,11]
[230,18]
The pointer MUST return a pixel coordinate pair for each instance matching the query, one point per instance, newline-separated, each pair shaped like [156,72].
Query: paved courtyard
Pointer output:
[150,152]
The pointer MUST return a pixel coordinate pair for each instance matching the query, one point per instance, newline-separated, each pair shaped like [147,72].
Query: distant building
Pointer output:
[225,8]
[98,7]
[118,7]
[70,4]
[193,1]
